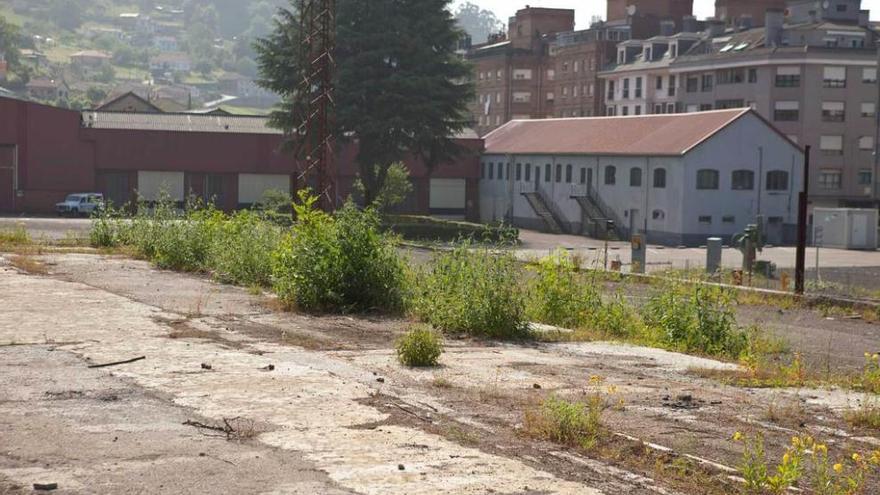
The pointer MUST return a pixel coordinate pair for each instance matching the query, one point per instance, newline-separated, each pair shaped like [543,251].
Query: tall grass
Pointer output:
[338,263]
[472,290]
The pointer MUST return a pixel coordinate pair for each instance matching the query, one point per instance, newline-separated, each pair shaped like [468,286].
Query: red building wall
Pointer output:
[56,156]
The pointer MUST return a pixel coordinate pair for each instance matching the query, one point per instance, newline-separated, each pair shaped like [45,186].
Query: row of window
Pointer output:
[707,179]
[832,180]
[576,66]
[832,111]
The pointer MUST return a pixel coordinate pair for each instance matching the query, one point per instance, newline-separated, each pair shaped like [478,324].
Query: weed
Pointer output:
[870,378]
[556,294]
[441,382]
[338,263]
[420,347]
[474,291]
[789,413]
[866,416]
[28,265]
[241,251]
[696,319]
[14,237]
[573,423]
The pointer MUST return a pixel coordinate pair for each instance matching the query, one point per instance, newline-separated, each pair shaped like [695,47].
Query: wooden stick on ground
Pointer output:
[105,365]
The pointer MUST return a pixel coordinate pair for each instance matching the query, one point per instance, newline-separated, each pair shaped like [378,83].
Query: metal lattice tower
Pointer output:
[314,114]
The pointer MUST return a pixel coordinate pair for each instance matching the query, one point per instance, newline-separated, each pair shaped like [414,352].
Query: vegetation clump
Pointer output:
[474,291]
[576,423]
[420,347]
[339,262]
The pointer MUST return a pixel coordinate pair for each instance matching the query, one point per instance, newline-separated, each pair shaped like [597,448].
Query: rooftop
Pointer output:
[177,122]
[644,135]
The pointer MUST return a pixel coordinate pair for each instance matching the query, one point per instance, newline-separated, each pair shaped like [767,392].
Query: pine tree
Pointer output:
[400,87]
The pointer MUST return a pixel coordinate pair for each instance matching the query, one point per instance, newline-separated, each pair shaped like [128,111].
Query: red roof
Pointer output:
[664,134]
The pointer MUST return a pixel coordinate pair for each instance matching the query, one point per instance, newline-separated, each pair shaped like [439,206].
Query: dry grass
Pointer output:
[787,412]
[866,417]
[441,382]
[27,264]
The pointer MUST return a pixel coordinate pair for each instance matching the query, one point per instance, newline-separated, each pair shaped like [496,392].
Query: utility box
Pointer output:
[845,228]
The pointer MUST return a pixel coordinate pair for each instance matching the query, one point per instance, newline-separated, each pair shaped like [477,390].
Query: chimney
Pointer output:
[689,24]
[773,21]
[667,28]
[864,18]
[746,22]
[715,27]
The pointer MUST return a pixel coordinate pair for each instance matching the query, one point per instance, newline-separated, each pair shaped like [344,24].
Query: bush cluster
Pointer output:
[420,347]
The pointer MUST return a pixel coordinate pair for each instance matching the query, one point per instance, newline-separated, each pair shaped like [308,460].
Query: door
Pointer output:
[7,190]
[859,231]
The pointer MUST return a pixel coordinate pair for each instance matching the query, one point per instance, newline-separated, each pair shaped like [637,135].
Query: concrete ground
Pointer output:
[235,397]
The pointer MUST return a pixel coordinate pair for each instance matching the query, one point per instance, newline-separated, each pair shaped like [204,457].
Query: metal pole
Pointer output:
[801,257]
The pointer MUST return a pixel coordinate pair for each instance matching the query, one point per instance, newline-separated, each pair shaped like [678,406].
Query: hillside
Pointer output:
[186,51]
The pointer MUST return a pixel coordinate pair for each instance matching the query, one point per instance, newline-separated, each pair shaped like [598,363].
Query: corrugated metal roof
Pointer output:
[178,122]
[645,135]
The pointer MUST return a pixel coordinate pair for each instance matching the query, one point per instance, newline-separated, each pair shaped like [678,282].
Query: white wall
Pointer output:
[152,184]
[251,187]
[735,148]
[739,146]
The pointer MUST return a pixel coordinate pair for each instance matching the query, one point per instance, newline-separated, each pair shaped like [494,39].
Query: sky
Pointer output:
[586,9]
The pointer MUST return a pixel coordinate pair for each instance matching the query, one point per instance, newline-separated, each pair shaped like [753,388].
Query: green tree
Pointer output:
[477,22]
[66,14]
[394,191]
[10,39]
[95,95]
[400,87]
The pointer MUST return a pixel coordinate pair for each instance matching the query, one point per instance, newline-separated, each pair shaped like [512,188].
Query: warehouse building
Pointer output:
[679,178]
[47,153]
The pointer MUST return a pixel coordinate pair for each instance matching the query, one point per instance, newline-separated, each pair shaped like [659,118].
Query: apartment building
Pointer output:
[811,71]
[745,13]
[512,71]
[543,68]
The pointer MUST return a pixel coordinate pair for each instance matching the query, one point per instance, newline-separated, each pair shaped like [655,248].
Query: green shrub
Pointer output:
[616,318]
[182,242]
[421,228]
[241,250]
[420,347]
[17,236]
[696,318]
[474,291]
[338,263]
[559,296]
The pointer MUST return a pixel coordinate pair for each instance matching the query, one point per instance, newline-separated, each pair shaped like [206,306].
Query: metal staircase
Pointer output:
[543,208]
[596,213]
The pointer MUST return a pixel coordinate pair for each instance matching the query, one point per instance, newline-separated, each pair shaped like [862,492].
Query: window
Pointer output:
[658,84]
[869,76]
[869,109]
[500,171]
[547,173]
[830,179]
[705,107]
[638,110]
[786,111]
[522,97]
[558,172]
[528,172]
[638,87]
[660,178]
[866,177]
[728,219]
[610,175]
[724,104]
[625,89]
[491,170]
[753,75]
[519,171]
[658,108]
[522,74]
[551,96]
[692,84]
[831,145]
[731,76]
[834,77]
[635,177]
[777,180]
[788,77]
[583,175]
[705,219]
[671,86]
[833,111]
[706,82]
[658,215]
[624,110]
[866,143]
[568,173]
[707,179]
[610,90]
[743,180]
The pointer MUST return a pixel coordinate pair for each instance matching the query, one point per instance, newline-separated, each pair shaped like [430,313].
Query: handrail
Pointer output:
[609,212]
[553,208]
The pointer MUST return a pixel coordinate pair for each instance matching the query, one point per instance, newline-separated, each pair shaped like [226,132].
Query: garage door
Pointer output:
[448,195]
[252,187]
[151,185]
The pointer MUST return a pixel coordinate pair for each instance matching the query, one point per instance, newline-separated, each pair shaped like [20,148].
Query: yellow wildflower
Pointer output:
[838,468]
[821,448]
[856,457]
[785,459]
[737,436]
